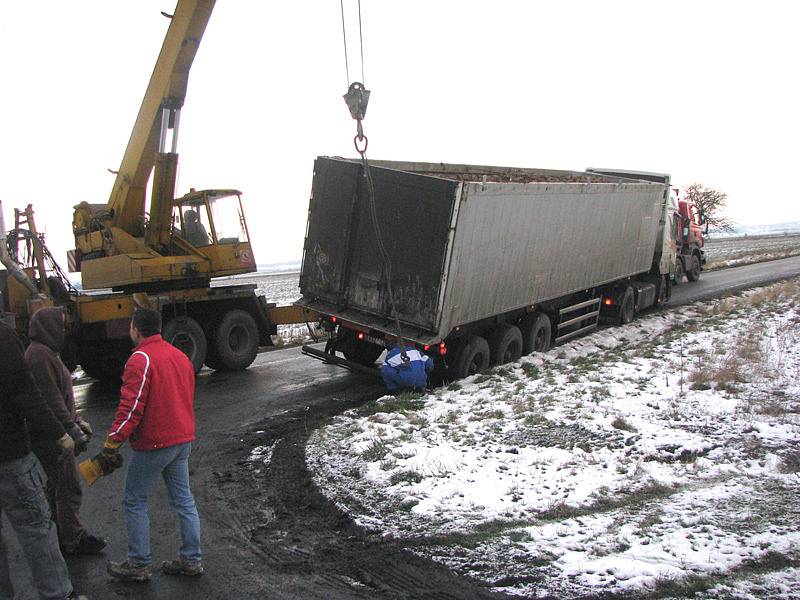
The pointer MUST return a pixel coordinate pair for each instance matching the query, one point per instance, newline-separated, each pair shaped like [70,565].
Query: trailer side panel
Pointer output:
[520,244]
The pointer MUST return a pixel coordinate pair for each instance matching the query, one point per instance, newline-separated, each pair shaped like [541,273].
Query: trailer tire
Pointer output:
[536,331]
[693,272]
[627,308]
[235,342]
[187,336]
[471,358]
[679,271]
[505,344]
[359,351]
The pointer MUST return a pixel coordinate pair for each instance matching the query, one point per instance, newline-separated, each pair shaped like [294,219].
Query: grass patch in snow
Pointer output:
[402,403]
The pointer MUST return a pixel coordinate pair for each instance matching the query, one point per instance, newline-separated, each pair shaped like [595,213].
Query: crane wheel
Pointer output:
[234,344]
[187,336]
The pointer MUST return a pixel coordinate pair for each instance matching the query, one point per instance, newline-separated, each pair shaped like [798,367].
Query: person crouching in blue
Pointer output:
[406,368]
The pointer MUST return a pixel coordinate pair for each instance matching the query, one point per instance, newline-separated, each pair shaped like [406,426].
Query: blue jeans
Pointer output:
[173,465]
[23,501]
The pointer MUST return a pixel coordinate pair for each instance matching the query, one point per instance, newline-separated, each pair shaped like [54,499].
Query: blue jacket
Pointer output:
[410,376]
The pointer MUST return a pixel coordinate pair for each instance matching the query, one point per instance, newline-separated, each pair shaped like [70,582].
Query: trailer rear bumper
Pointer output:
[340,362]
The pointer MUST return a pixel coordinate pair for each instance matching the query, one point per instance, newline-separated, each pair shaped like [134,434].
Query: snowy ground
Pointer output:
[735,251]
[655,460]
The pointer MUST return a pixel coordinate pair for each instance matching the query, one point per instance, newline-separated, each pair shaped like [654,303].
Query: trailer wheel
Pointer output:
[536,330]
[679,271]
[359,351]
[627,307]
[471,358]
[693,272]
[235,342]
[187,336]
[505,344]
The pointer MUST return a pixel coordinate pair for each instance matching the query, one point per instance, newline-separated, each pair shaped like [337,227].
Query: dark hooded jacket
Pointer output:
[20,400]
[51,376]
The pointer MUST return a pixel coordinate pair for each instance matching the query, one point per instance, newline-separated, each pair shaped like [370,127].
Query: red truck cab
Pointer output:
[691,255]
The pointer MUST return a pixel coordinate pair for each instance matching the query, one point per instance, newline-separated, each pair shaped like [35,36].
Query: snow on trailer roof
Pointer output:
[483,173]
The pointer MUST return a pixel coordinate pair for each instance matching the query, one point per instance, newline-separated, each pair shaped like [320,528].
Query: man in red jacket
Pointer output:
[156,411]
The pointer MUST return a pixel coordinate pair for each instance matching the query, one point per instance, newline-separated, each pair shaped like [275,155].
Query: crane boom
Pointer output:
[160,109]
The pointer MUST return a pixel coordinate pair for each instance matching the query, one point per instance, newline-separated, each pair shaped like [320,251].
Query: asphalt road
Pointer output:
[281,393]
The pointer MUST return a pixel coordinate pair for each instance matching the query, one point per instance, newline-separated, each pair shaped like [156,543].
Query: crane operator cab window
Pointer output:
[229,224]
[194,230]
[210,217]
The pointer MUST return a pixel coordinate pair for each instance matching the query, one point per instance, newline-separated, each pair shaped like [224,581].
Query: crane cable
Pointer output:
[357,98]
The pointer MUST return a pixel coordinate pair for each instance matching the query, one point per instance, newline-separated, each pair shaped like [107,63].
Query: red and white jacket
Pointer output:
[156,408]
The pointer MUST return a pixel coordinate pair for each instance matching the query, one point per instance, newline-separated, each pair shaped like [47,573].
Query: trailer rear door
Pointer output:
[342,262]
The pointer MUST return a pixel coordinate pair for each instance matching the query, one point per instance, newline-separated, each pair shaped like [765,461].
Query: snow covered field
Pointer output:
[735,251]
[655,460]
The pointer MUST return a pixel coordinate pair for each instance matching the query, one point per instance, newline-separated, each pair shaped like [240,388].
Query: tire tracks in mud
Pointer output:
[278,513]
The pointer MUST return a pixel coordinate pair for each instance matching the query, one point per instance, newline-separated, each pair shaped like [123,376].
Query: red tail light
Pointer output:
[360,335]
[426,347]
[442,349]
[333,319]
[608,301]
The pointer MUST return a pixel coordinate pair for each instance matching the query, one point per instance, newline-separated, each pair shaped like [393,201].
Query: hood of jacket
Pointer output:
[47,327]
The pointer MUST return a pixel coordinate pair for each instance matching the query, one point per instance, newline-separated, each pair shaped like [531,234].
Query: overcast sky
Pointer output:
[707,91]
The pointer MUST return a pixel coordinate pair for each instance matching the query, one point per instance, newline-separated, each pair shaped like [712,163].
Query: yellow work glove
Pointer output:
[106,462]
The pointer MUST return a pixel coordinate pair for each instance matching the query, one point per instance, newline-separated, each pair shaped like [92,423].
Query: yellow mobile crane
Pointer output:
[165,257]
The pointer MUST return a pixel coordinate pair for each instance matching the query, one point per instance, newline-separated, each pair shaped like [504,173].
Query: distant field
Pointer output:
[745,250]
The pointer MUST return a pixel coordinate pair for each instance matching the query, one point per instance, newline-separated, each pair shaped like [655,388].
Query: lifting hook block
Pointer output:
[357,98]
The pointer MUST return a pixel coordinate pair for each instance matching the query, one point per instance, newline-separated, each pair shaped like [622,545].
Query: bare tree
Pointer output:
[711,203]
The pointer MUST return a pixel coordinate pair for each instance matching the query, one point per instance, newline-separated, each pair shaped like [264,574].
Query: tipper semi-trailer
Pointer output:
[486,263]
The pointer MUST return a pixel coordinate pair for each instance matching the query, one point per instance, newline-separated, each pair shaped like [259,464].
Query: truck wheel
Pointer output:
[693,272]
[104,360]
[536,331]
[471,358]
[505,344]
[678,271]
[627,307]
[235,342]
[359,351]
[212,360]
[187,336]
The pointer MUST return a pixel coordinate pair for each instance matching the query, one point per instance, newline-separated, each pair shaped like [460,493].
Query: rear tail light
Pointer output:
[360,335]
[426,347]
[608,301]
[334,319]
[442,349]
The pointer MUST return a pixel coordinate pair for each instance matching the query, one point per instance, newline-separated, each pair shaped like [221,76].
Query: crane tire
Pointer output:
[235,342]
[187,336]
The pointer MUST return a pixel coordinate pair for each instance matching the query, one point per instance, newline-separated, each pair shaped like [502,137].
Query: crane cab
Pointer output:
[212,222]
